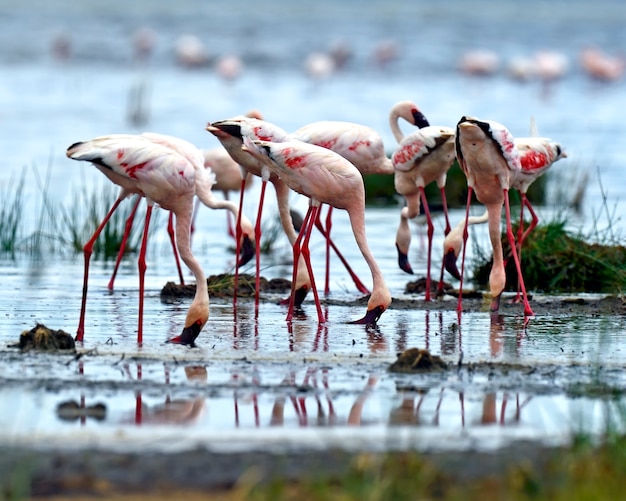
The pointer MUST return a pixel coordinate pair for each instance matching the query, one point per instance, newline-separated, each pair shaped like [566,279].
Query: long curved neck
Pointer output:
[282,198]
[183,242]
[497,277]
[395,126]
[357,221]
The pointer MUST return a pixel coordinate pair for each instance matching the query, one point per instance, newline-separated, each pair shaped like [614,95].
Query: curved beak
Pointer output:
[247,251]
[419,119]
[188,336]
[449,263]
[298,296]
[403,261]
[371,317]
[495,303]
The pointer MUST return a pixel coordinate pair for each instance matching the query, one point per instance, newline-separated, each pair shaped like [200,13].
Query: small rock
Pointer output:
[417,360]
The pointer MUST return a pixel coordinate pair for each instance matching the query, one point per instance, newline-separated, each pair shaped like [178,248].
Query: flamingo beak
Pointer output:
[449,263]
[298,297]
[188,336]
[495,303]
[371,317]
[247,251]
[403,261]
[419,119]
[220,129]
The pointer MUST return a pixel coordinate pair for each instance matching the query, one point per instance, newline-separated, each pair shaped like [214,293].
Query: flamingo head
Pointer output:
[451,249]
[409,111]
[403,261]
[197,317]
[247,241]
[225,129]
[378,303]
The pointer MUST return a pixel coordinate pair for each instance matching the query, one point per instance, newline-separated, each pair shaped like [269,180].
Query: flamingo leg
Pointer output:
[127,227]
[430,230]
[459,307]
[238,233]
[307,259]
[296,259]
[257,247]
[141,265]
[172,234]
[442,189]
[87,251]
[357,281]
[329,224]
[509,233]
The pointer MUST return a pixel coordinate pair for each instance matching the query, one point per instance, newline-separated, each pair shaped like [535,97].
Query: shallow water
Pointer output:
[259,383]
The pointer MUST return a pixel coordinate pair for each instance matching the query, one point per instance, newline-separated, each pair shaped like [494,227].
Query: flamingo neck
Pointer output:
[183,242]
[497,277]
[395,126]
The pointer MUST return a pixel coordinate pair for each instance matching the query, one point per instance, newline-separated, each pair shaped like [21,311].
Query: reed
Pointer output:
[11,210]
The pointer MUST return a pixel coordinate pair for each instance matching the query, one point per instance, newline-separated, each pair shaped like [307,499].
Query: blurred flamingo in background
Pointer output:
[159,173]
[325,177]
[487,155]
[423,156]
[601,66]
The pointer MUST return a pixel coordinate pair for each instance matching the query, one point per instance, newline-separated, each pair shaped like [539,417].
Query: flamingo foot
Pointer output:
[247,251]
[403,262]
[188,336]
[449,263]
[371,317]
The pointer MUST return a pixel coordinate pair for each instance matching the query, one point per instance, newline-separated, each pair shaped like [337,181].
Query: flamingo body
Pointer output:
[325,177]
[165,177]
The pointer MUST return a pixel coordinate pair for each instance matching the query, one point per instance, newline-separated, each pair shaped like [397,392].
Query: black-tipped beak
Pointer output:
[449,263]
[403,262]
[371,317]
[188,336]
[420,119]
[230,129]
[246,252]
[299,295]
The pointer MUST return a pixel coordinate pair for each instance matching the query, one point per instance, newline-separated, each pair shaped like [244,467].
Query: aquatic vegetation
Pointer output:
[11,210]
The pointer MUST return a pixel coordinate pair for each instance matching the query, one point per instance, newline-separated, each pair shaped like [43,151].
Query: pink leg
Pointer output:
[238,233]
[172,234]
[459,307]
[329,224]
[297,246]
[307,259]
[357,282]
[120,254]
[141,265]
[509,233]
[445,209]
[257,248]
[87,251]
[429,221]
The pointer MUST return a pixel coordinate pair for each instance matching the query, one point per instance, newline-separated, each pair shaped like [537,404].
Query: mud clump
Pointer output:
[72,411]
[223,286]
[417,360]
[42,338]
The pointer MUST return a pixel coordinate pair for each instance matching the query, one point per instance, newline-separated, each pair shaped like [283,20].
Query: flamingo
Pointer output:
[423,156]
[488,156]
[195,156]
[324,177]
[537,154]
[231,134]
[360,145]
[142,166]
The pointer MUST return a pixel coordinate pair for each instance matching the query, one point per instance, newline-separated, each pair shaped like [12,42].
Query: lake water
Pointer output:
[256,378]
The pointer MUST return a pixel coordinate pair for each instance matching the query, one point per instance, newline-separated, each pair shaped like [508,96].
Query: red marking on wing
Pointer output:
[131,171]
[356,144]
[293,162]
[181,173]
[409,152]
[532,160]
[328,144]
[120,154]
[262,135]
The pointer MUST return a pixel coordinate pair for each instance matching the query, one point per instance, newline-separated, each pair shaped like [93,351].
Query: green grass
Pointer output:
[11,210]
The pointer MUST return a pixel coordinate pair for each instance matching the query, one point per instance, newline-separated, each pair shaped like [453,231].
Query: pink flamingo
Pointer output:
[325,177]
[231,134]
[423,156]
[537,154]
[364,148]
[195,156]
[163,176]
[487,155]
